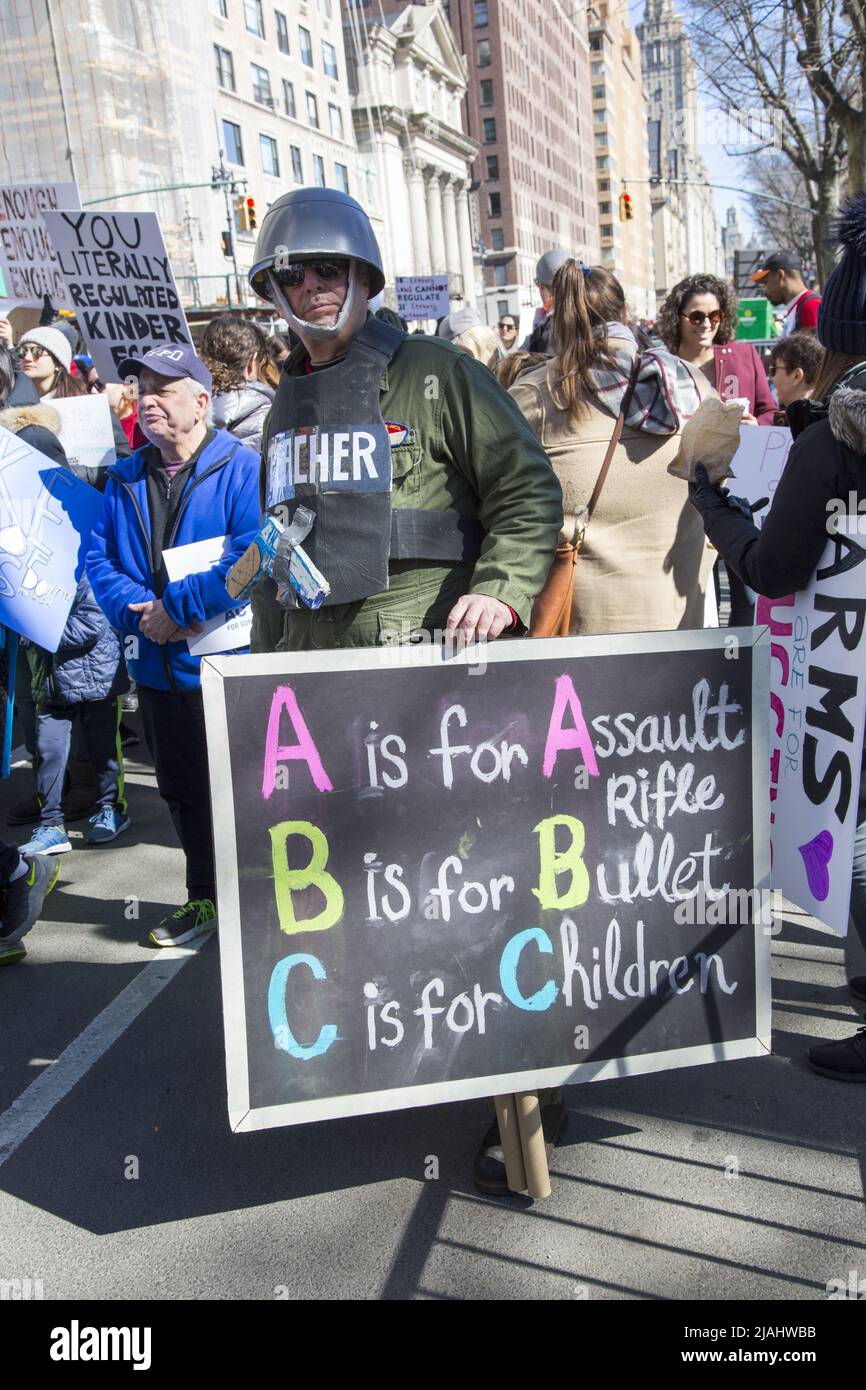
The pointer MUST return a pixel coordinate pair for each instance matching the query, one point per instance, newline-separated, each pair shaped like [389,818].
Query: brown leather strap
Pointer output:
[614,440]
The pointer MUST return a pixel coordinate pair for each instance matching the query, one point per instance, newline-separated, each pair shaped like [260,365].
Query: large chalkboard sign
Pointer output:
[443,876]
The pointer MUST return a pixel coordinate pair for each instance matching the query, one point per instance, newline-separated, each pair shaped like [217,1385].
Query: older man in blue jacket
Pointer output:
[190,483]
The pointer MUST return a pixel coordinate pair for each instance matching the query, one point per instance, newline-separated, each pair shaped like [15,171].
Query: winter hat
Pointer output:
[53,341]
[842,314]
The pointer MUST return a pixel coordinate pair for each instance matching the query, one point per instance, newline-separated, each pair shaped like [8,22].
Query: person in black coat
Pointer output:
[825,474]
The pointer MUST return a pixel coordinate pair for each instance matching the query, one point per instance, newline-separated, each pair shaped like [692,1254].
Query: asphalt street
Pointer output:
[120,1177]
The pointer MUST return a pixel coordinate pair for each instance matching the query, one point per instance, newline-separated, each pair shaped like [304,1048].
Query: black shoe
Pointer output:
[488,1170]
[857,986]
[845,1061]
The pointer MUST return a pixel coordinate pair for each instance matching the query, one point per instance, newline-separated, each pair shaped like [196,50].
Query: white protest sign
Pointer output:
[28,260]
[86,431]
[422,296]
[228,630]
[817,701]
[759,463]
[120,282]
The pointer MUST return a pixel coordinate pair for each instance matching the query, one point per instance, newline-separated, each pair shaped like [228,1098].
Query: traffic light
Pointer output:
[241,218]
[227,244]
[626,208]
[252,220]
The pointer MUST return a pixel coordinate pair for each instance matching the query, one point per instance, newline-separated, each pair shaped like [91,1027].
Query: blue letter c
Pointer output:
[508,963]
[284,1039]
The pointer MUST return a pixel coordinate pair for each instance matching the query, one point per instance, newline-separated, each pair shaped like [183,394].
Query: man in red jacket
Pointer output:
[781,279]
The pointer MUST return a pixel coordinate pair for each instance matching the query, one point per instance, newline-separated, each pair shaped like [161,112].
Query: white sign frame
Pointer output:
[216,672]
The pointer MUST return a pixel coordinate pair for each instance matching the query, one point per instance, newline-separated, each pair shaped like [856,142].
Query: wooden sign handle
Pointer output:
[509,1133]
[533,1145]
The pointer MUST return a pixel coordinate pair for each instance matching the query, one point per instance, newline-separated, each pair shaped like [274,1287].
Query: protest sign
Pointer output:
[422,296]
[29,261]
[120,283]
[228,630]
[8,664]
[818,701]
[759,463]
[529,864]
[46,517]
[86,431]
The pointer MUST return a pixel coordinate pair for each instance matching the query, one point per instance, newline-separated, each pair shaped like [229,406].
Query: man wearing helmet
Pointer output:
[435,506]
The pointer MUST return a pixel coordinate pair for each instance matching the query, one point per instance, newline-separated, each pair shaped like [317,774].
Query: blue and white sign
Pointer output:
[46,517]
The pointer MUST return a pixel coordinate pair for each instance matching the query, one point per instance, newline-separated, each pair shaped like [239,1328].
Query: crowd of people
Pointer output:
[531,450]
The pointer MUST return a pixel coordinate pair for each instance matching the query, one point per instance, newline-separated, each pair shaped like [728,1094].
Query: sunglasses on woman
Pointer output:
[697,317]
[292,275]
[32,351]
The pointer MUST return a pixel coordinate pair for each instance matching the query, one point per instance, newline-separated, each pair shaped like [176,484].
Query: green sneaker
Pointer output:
[192,920]
[10,955]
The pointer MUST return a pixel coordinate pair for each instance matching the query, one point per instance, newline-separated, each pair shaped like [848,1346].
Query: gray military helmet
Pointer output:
[315,222]
[549,264]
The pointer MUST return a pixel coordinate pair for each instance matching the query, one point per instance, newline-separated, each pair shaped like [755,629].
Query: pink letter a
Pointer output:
[304,750]
[559,738]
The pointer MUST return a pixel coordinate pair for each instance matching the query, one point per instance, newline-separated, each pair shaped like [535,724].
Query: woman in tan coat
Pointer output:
[644,564]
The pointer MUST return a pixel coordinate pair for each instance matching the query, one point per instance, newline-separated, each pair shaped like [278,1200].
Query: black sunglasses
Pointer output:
[506,323]
[293,274]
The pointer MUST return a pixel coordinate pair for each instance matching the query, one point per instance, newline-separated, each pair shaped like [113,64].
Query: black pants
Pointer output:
[9,861]
[174,728]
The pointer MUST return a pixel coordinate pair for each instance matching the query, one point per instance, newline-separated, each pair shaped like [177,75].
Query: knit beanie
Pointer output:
[53,340]
[842,313]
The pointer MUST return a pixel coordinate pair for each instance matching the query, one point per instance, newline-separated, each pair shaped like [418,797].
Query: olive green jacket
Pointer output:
[469,449]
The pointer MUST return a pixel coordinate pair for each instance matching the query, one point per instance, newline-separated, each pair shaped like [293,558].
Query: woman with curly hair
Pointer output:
[697,322]
[235,352]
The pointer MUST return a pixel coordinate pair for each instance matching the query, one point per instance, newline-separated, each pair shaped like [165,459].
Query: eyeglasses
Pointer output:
[32,350]
[505,324]
[292,275]
[697,317]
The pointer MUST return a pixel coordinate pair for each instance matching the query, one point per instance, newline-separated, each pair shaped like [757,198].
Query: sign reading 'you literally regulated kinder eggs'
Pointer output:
[120,283]
[447,875]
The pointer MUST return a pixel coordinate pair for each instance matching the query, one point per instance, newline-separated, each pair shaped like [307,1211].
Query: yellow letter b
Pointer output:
[553,864]
[288,881]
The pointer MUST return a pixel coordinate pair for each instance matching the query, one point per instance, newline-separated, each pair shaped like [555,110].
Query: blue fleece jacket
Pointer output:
[221,498]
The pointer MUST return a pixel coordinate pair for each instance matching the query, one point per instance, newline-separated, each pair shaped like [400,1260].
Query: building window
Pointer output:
[602,163]
[261,85]
[493,166]
[500,275]
[233,143]
[495,204]
[489,124]
[312,110]
[484,53]
[487,92]
[306,46]
[318,171]
[282,32]
[335,117]
[497,238]
[220,8]
[601,138]
[253,18]
[329,59]
[325,9]
[480,13]
[225,68]
[604,209]
[607,229]
[341,173]
[270,157]
[297,164]
[598,69]
[502,307]
[598,93]
[289,99]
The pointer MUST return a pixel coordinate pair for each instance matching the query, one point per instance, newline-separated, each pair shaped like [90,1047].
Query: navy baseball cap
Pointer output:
[176,360]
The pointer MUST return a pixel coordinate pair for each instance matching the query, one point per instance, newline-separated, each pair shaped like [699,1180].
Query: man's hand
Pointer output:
[158,627]
[6,333]
[478,618]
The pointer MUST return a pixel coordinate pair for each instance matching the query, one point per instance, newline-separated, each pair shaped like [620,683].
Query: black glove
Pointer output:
[707,497]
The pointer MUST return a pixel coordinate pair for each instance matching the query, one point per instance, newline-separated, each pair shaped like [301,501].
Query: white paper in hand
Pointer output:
[227,631]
